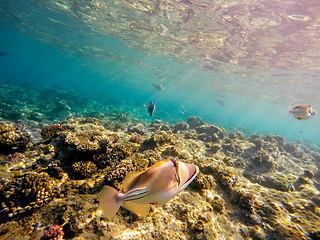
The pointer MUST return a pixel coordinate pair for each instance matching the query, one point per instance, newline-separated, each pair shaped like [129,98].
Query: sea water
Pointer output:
[239,68]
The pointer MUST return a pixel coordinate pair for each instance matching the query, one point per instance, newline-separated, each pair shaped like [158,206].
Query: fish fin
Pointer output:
[109,201]
[139,209]
[300,118]
[129,179]
[289,110]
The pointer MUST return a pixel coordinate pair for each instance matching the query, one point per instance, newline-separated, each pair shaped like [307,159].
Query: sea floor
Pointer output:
[54,162]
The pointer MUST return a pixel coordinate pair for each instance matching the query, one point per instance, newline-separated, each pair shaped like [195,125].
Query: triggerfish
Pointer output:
[302,111]
[154,186]
[151,107]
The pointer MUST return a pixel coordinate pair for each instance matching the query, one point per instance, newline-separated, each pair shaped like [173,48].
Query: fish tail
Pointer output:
[289,110]
[110,201]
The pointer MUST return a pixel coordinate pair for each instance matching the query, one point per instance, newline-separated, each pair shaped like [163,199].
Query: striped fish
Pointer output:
[154,186]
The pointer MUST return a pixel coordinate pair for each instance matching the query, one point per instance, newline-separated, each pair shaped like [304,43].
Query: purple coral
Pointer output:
[55,232]
[137,138]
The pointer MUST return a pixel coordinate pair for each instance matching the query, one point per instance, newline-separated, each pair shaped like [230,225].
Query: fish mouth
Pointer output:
[185,173]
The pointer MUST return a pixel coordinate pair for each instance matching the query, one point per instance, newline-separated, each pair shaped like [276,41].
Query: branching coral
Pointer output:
[26,193]
[84,168]
[51,131]
[13,138]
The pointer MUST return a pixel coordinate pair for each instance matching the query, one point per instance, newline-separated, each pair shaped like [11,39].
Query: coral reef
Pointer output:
[194,121]
[54,233]
[136,138]
[247,187]
[181,126]
[13,138]
[159,139]
[26,193]
[114,154]
[52,131]
[84,168]
[137,128]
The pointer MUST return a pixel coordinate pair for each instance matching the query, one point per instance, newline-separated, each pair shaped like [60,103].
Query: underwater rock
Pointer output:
[137,128]
[236,135]
[286,233]
[87,135]
[289,206]
[210,133]
[84,169]
[278,182]
[308,174]
[301,181]
[212,148]
[203,182]
[165,128]
[218,204]
[170,152]
[157,124]
[225,176]
[260,163]
[280,140]
[258,142]
[195,122]
[13,138]
[191,134]
[245,200]
[25,194]
[52,131]
[315,235]
[316,200]
[293,149]
[152,156]
[181,126]
[114,154]
[157,139]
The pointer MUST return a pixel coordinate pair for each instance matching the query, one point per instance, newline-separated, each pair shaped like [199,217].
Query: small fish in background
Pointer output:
[302,111]
[2,54]
[158,86]
[154,186]
[221,102]
[151,108]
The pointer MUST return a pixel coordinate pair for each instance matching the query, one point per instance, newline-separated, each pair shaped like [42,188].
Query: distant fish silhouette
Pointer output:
[158,86]
[151,107]
[221,102]
[302,111]
[2,54]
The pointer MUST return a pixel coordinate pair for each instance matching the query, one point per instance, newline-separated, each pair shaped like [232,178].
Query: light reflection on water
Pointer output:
[265,51]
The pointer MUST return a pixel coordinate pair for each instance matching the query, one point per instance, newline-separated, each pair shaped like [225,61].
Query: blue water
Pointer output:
[47,45]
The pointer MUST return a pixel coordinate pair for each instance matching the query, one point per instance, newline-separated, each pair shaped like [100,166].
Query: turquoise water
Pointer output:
[235,72]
